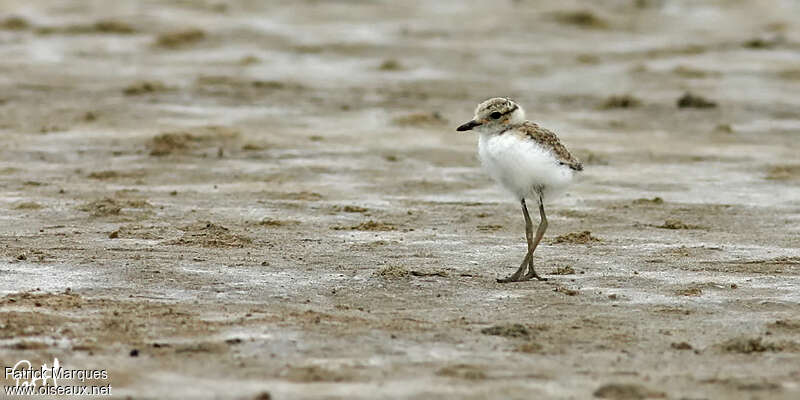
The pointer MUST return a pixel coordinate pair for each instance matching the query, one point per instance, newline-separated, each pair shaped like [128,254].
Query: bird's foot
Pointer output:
[522,278]
[515,278]
[532,275]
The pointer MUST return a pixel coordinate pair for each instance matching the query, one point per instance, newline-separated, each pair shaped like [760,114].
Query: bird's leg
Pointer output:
[528,261]
[529,238]
[532,246]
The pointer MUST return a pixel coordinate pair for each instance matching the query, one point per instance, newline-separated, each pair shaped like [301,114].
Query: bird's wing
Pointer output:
[549,140]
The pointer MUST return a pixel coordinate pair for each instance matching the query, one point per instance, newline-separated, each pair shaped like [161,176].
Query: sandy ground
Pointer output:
[244,200]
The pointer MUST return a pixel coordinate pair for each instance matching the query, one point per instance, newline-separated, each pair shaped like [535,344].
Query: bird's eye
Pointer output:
[495,115]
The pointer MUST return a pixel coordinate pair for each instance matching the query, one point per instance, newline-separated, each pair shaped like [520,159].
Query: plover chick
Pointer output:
[526,159]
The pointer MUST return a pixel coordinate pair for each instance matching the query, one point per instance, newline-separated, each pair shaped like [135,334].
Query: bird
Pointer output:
[527,160]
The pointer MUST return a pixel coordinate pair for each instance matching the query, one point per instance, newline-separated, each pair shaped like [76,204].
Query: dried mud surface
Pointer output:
[252,200]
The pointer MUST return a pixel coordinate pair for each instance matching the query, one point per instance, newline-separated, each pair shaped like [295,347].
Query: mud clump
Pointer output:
[276,222]
[140,232]
[462,371]
[745,345]
[442,274]
[263,396]
[689,72]
[367,226]
[224,81]
[508,331]
[28,345]
[315,374]
[391,65]
[176,142]
[171,142]
[681,346]
[567,291]
[393,272]
[489,228]
[202,347]
[105,175]
[783,173]
[253,147]
[751,384]
[693,291]
[582,18]
[530,347]
[207,234]
[761,43]
[790,74]
[14,23]
[349,209]
[374,226]
[24,324]
[584,237]
[626,391]
[249,60]
[420,119]
[654,201]
[113,26]
[589,59]
[677,224]
[52,128]
[144,87]
[107,26]
[303,196]
[56,301]
[278,85]
[28,205]
[785,324]
[563,270]
[181,38]
[689,100]
[723,128]
[109,207]
[622,101]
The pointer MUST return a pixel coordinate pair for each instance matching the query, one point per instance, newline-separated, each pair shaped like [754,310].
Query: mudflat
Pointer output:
[254,199]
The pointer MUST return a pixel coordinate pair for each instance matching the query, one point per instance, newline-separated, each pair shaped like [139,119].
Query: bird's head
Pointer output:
[493,115]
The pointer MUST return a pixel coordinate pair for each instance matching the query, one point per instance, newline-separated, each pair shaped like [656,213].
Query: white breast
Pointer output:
[522,165]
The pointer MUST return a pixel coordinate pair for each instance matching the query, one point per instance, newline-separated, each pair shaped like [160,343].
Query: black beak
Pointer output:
[468,126]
